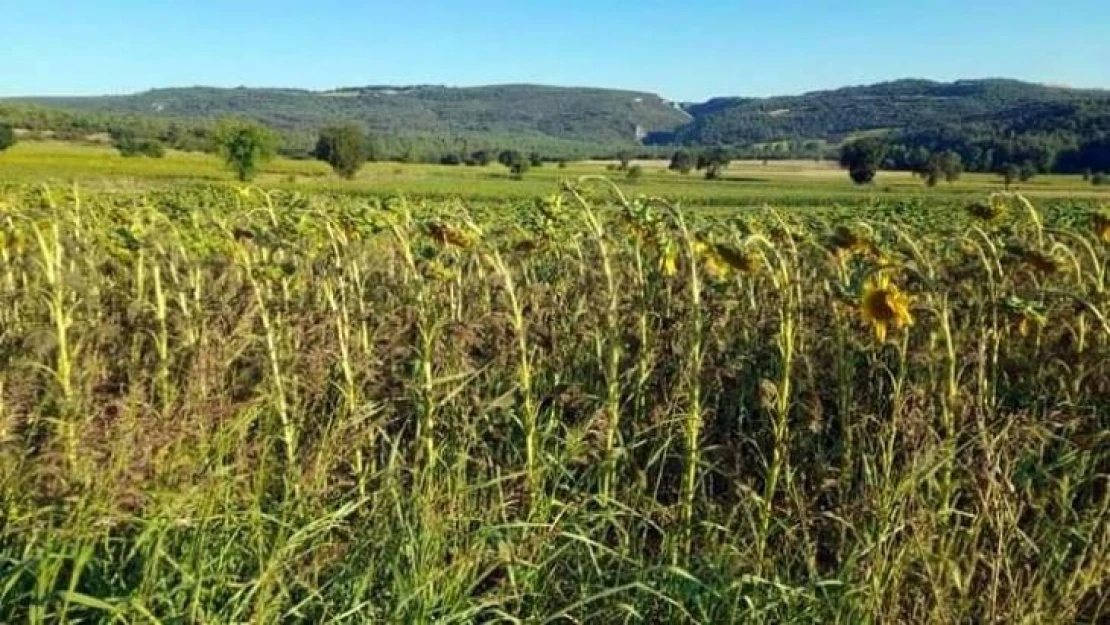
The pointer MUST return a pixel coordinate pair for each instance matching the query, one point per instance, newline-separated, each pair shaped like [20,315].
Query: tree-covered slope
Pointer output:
[580,114]
[899,106]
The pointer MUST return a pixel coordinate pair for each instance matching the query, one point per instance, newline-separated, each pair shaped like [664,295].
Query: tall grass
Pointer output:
[221,406]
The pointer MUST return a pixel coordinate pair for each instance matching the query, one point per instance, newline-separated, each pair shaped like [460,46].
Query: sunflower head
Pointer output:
[884,306]
[448,235]
[739,260]
[715,266]
[1026,316]
[987,211]
[1101,223]
[668,259]
[845,241]
[1034,259]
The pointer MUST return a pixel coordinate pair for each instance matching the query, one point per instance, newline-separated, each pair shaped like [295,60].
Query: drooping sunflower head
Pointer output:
[884,305]
[1026,316]
[739,260]
[445,234]
[846,241]
[987,211]
[1034,259]
[1101,223]
[715,266]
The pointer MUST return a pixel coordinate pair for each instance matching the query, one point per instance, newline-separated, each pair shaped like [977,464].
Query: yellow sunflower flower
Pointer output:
[884,305]
[742,261]
[668,260]
[447,235]
[715,266]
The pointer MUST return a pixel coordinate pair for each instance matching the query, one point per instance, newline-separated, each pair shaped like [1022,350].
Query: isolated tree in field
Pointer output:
[535,159]
[130,144]
[930,170]
[244,145]
[1010,173]
[624,157]
[344,147]
[515,161]
[7,137]
[1027,171]
[862,158]
[682,162]
[714,162]
[952,166]
[520,167]
[481,158]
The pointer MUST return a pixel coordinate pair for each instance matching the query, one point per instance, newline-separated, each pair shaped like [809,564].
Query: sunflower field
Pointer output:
[225,405]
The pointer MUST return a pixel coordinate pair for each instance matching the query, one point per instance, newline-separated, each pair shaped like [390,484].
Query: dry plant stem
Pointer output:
[529,415]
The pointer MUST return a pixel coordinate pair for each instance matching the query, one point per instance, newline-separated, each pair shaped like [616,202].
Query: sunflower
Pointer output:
[1102,226]
[1034,259]
[845,242]
[742,261]
[716,265]
[447,235]
[884,305]
[1027,316]
[668,260]
[987,211]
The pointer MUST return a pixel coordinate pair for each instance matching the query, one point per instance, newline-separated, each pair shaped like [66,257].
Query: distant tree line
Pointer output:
[1070,139]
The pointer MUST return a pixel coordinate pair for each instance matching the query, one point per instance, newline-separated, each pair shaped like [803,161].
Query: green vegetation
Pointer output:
[344,147]
[292,403]
[862,158]
[244,146]
[714,162]
[946,165]
[988,124]
[683,162]
[424,120]
[516,162]
[131,145]
[7,137]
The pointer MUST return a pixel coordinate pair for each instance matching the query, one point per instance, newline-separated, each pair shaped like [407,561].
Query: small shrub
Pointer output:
[635,173]
[344,147]
[7,137]
[131,146]
[1100,179]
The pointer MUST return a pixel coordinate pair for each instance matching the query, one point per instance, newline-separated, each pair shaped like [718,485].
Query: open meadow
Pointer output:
[440,394]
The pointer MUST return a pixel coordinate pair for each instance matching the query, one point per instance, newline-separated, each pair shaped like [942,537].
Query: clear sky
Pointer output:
[683,50]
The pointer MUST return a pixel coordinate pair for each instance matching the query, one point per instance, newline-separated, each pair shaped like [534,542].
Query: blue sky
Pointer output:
[683,50]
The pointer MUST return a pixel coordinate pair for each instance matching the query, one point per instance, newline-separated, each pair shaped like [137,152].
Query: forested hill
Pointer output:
[989,123]
[599,116]
[903,106]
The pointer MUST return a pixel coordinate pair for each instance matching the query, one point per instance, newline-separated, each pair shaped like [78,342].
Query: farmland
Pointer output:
[441,394]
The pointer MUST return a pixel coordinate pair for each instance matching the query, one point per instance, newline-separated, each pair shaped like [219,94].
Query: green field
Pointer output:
[439,394]
[746,183]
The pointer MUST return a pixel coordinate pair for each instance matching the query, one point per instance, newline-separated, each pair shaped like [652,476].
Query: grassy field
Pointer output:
[308,401]
[746,183]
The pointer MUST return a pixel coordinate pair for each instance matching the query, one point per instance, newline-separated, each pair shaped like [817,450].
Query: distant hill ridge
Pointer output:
[569,113]
[900,105]
[576,119]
